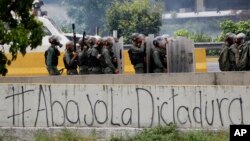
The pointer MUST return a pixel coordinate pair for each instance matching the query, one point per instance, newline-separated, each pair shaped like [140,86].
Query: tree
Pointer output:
[234,27]
[128,17]
[182,32]
[196,36]
[88,14]
[18,30]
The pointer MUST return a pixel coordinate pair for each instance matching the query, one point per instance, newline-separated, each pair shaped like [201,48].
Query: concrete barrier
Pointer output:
[201,62]
[218,78]
[136,106]
[128,103]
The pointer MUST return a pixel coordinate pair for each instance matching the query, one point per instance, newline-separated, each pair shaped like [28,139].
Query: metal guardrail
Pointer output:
[127,46]
[207,45]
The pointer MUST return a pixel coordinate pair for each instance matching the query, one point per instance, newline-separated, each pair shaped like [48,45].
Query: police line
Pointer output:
[33,64]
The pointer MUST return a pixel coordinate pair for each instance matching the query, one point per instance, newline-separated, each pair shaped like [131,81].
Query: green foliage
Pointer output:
[228,26]
[182,32]
[42,135]
[64,135]
[234,27]
[205,136]
[120,138]
[67,135]
[170,133]
[18,29]
[134,16]
[197,37]
[3,61]
[213,52]
[160,133]
[201,37]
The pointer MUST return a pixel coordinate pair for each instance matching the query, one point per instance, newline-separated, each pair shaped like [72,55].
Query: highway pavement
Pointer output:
[212,64]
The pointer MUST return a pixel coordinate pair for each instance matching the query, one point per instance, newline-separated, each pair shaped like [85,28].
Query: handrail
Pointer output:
[207,45]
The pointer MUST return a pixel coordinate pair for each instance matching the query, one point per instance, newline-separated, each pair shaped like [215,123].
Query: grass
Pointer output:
[170,133]
[205,136]
[8,137]
[64,135]
[159,133]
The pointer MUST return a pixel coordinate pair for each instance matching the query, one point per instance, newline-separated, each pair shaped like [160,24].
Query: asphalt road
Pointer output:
[212,64]
[213,67]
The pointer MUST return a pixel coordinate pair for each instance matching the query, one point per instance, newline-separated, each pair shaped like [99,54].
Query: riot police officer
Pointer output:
[228,54]
[158,63]
[107,56]
[70,59]
[94,55]
[243,60]
[83,55]
[137,52]
[51,55]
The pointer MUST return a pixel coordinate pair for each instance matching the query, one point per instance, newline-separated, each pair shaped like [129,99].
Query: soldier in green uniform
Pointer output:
[51,55]
[158,55]
[137,52]
[233,57]
[227,61]
[243,59]
[83,55]
[70,59]
[94,55]
[107,56]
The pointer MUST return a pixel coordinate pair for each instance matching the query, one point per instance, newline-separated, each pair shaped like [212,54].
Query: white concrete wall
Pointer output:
[76,105]
[215,78]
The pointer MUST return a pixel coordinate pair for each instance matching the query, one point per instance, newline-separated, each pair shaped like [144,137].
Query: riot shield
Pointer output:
[115,49]
[180,55]
[149,46]
[118,50]
[121,66]
[171,52]
[189,55]
[167,54]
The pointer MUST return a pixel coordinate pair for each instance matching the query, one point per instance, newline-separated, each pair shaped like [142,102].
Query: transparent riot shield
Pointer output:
[180,54]
[189,55]
[116,50]
[149,45]
[119,54]
[171,62]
